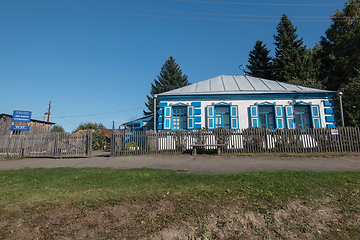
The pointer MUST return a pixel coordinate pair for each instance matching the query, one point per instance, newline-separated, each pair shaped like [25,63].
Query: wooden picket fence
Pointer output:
[54,145]
[250,140]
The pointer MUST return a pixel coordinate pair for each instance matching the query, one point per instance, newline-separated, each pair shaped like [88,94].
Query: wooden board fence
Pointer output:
[251,140]
[46,145]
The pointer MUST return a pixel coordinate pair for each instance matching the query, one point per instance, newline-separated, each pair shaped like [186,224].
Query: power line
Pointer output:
[168,17]
[97,114]
[178,12]
[263,4]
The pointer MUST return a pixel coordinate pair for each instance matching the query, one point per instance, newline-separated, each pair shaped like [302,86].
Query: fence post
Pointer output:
[89,143]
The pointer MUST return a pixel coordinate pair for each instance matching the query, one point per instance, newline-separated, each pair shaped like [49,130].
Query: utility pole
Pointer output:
[48,116]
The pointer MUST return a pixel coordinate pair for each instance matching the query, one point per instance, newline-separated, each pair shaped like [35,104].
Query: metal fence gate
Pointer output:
[54,145]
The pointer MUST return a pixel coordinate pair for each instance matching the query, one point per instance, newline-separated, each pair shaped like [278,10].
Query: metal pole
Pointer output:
[155,112]
[341,109]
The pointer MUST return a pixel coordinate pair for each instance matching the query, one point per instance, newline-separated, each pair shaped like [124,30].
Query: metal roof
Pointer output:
[240,84]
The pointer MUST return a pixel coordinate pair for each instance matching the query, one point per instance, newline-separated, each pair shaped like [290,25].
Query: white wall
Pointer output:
[243,107]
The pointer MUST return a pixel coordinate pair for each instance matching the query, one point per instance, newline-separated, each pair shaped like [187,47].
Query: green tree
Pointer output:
[292,60]
[98,140]
[89,125]
[351,101]
[170,78]
[57,128]
[98,137]
[260,63]
[340,48]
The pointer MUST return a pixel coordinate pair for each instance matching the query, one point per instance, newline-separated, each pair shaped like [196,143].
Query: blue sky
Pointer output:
[95,60]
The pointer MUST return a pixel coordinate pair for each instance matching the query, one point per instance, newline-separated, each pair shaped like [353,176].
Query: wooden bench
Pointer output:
[195,146]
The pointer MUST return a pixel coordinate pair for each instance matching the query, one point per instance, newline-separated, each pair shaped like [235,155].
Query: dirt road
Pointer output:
[195,164]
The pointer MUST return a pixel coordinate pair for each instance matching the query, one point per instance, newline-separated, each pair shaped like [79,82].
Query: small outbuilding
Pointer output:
[238,102]
[35,126]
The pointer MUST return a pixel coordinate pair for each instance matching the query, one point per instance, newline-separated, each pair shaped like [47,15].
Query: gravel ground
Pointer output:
[195,164]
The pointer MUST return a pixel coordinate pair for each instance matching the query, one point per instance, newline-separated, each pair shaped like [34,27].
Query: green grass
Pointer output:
[274,189]
[193,195]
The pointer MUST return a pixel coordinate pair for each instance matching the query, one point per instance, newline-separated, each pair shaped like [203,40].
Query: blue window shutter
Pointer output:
[234,117]
[210,114]
[254,116]
[329,110]
[279,117]
[329,103]
[167,118]
[290,117]
[315,115]
[162,104]
[190,117]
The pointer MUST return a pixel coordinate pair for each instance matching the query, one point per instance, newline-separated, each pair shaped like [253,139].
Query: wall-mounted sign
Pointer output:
[21,116]
[19,128]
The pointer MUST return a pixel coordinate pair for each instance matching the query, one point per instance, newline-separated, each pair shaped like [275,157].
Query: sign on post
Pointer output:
[19,128]
[21,116]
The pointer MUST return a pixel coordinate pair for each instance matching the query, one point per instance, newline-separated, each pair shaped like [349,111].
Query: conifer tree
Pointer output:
[340,48]
[170,78]
[292,60]
[260,63]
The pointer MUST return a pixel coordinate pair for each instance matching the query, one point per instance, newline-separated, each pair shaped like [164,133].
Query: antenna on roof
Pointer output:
[242,65]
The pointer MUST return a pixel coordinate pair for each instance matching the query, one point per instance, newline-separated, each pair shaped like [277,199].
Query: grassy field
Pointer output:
[93,203]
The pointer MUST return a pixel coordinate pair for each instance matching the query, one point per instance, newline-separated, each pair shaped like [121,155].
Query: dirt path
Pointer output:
[198,164]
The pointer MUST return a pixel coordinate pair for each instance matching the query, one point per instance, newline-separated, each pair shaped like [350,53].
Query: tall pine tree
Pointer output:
[339,58]
[260,63]
[170,78]
[340,49]
[292,60]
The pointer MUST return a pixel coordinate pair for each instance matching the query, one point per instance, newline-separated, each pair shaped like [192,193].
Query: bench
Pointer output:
[195,146]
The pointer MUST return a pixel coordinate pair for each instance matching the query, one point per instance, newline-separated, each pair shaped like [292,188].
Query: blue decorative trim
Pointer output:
[329,103]
[264,96]
[197,118]
[330,118]
[197,126]
[160,119]
[161,111]
[197,111]
[329,110]
[196,104]
[162,104]
[331,125]
[160,126]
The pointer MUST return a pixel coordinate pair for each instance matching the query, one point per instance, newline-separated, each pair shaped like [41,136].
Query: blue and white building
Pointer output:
[238,102]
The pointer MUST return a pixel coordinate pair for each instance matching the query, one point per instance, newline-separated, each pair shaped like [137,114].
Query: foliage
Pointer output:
[310,82]
[89,125]
[57,128]
[260,63]
[170,78]
[340,48]
[292,60]
[351,101]
[98,140]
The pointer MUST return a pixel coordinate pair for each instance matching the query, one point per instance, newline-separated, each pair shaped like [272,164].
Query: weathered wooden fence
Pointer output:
[251,140]
[46,145]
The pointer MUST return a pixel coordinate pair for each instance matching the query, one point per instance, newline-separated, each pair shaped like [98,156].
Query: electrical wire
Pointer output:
[168,17]
[164,11]
[263,4]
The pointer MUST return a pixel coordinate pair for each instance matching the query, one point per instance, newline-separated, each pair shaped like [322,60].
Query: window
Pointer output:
[222,117]
[179,117]
[302,116]
[266,116]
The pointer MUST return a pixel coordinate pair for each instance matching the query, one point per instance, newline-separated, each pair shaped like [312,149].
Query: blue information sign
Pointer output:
[19,128]
[21,116]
